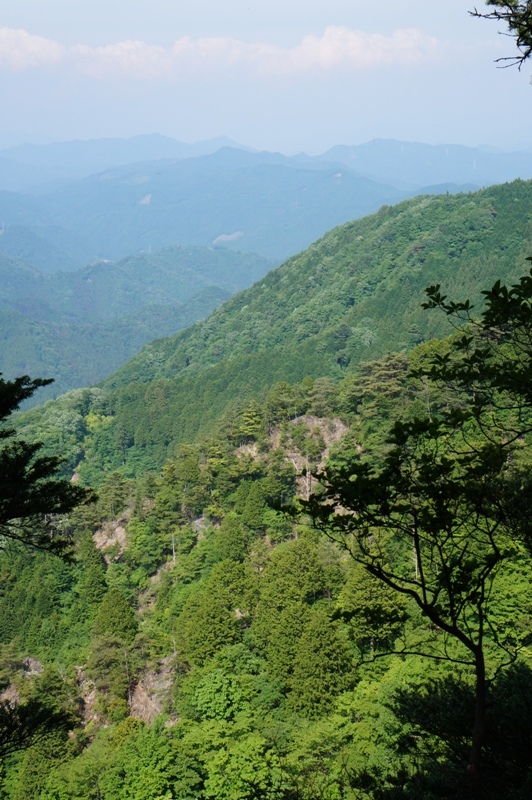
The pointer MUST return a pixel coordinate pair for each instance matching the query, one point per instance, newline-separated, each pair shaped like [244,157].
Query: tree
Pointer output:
[433,518]
[31,494]
[248,769]
[31,497]
[430,728]
[22,726]
[322,667]
[115,617]
[518,17]
[215,616]
[375,613]
[148,767]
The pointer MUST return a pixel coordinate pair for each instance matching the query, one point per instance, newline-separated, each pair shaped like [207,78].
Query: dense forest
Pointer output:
[207,642]
[286,553]
[352,296]
[80,325]
[219,631]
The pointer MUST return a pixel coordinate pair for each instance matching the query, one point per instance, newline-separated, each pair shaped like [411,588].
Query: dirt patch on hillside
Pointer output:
[153,693]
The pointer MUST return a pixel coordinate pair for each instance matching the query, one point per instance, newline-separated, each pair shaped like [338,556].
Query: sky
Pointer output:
[286,75]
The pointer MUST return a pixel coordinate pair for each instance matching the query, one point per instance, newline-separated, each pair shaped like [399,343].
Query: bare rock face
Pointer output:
[11,695]
[330,430]
[87,697]
[152,693]
[111,539]
[31,666]
[28,668]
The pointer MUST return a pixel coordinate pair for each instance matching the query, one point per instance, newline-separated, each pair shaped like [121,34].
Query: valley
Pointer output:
[221,629]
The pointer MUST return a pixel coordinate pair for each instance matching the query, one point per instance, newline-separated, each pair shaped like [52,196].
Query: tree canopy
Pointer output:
[31,494]
[446,489]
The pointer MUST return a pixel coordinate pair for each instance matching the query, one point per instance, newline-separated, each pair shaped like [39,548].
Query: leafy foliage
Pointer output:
[443,490]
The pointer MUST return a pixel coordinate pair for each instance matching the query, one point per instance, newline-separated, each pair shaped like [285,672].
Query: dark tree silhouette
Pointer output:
[31,497]
[518,18]
[31,493]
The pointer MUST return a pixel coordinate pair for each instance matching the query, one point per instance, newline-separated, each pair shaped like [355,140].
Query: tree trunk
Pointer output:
[474,766]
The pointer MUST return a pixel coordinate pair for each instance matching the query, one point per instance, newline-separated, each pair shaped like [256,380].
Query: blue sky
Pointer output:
[286,76]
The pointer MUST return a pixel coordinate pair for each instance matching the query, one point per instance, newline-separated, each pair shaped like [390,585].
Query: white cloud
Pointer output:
[340,47]
[20,50]
[337,48]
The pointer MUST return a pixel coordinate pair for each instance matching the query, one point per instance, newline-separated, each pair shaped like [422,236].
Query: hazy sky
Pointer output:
[289,75]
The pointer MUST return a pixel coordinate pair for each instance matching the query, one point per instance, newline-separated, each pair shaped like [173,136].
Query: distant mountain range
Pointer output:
[178,219]
[255,202]
[412,165]
[28,167]
[105,199]
[409,165]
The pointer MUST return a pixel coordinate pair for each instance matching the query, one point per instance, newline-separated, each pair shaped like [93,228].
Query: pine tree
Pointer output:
[322,668]
[115,617]
[31,494]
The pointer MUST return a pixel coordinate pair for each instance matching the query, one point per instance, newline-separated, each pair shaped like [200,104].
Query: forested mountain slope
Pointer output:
[80,326]
[206,641]
[352,296]
[206,645]
[107,290]
[264,203]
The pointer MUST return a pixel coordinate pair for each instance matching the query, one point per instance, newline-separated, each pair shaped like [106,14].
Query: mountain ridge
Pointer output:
[351,297]
[80,326]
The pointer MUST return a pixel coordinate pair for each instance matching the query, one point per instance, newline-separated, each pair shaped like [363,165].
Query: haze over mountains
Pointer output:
[264,203]
[78,326]
[148,192]
[349,298]
[37,167]
[32,166]
[151,204]
[416,165]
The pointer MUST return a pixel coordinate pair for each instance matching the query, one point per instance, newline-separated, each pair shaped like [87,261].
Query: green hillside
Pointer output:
[80,326]
[80,354]
[206,646]
[109,290]
[21,243]
[368,275]
[206,641]
[351,296]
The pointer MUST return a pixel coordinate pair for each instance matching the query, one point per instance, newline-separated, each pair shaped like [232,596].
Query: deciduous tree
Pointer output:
[433,518]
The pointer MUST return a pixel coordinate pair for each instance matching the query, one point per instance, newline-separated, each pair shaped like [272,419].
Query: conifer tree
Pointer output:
[518,17]
[375,612]
[115,617]
[322,667]
[31,494]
